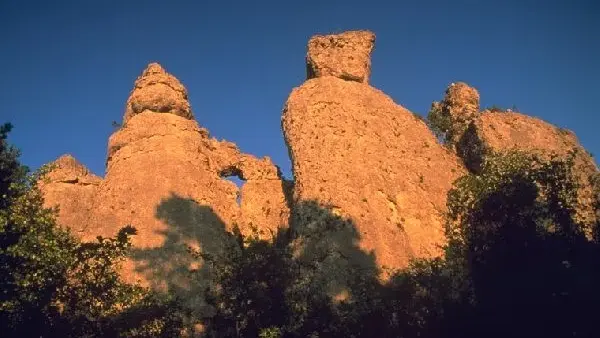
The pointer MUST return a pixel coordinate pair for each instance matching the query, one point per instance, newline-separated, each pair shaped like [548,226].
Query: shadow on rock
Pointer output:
[515,262]
[303,274]
[173,267]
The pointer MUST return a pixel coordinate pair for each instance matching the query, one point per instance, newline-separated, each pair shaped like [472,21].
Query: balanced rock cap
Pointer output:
[159,92]
[346,55]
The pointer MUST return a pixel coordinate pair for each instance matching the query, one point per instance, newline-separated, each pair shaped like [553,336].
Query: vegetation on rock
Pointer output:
[516,264]
[54,285]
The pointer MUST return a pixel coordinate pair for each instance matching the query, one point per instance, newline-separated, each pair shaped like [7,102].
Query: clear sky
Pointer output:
[68,66]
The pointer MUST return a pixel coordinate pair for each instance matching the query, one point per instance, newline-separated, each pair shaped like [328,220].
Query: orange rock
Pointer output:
[72,188]
[158,161]
[374,162]
[346,55]
[497,132]
[160,92]
[359,159]
[475,135]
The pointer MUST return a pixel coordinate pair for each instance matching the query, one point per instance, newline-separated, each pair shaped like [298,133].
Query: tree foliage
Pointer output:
[516,264]
[440,122]
[52,284]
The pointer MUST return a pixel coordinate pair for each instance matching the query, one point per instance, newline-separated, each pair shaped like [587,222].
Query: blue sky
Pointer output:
[68,66]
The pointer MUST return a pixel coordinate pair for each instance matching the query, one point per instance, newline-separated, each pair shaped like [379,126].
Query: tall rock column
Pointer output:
[365,157]
[166,176]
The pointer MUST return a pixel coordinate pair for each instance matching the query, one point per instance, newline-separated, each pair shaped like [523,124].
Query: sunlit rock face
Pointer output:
[353,148]
[161,169]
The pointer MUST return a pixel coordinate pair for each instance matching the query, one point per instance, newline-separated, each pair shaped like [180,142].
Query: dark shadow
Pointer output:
[316,264]
[172,266]
[533,271]
[517,264]
[333,275]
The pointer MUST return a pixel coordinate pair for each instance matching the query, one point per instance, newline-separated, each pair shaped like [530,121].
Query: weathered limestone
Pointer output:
[371,180]
[373,161]
[162,157]
[346,55]
[160,92]
[459,107]
[72,188]
[475,135]
[498,132]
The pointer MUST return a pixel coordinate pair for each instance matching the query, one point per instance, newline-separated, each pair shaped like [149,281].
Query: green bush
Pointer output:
[54,285]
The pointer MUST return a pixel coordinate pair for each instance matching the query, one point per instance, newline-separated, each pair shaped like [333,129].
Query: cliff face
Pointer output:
[354,151]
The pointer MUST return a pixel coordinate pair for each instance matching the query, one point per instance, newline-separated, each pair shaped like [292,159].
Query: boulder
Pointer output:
[158,91]
[346,55]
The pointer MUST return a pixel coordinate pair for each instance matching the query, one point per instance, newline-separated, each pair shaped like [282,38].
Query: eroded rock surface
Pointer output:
[371,160]
[497,132]
[160,92]
[455,112]
[71,187]
[167,177]
[371,180]
[346,55]
[475,135]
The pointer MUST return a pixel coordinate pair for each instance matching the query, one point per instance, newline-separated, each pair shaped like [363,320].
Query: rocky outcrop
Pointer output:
[371,179]
[72,188]
[161,155]
[346,55]
[455,112]
[475,135]
[371,160]
[160,92]
[498,132]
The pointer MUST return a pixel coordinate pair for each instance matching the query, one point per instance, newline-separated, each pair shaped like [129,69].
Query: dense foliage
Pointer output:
[52,284]
[516,264]
[440,122]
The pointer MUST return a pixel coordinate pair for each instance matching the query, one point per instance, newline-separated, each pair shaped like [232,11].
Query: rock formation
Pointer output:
[454,113]
[346,55]
[476,135]
[160,92]
[356,154]
[371,160]
[161,153]
[72,186]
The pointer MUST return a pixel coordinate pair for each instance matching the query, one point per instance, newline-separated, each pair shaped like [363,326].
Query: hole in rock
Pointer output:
[235,175]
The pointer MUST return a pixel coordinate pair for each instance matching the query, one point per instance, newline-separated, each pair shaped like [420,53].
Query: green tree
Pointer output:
[54,285]
[440,122]
[516,262]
